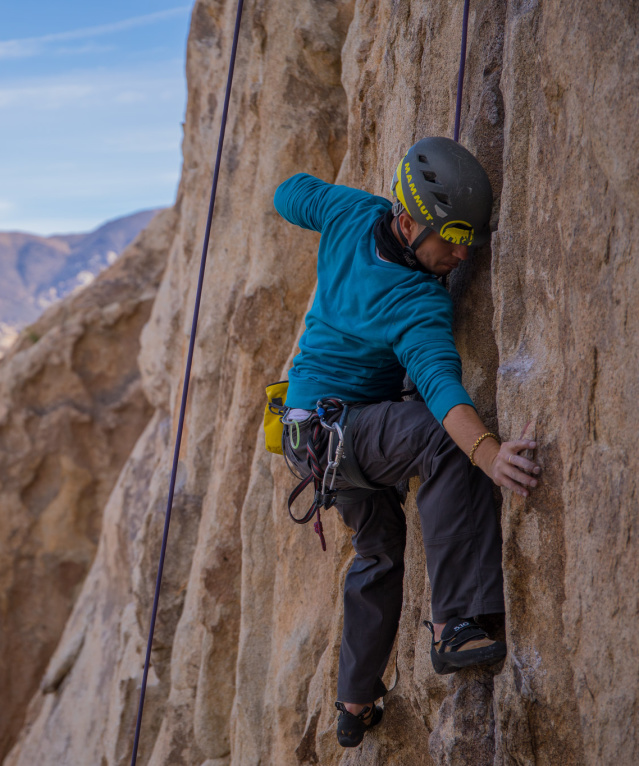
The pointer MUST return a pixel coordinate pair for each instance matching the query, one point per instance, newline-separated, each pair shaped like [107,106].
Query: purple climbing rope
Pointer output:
[462,68]
[187,376]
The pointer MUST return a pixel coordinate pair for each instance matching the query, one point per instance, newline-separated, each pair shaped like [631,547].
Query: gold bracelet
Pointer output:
[471,454]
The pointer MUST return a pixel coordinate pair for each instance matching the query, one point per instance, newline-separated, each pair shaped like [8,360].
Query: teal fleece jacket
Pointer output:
[370,319]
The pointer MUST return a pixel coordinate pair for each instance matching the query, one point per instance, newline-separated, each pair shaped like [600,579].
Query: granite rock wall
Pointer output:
[245,656]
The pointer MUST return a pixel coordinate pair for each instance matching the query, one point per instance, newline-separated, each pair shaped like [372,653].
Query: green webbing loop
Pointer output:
[297,434]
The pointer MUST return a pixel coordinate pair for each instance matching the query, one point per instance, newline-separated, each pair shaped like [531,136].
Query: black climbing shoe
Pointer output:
[463,643]
[351,728]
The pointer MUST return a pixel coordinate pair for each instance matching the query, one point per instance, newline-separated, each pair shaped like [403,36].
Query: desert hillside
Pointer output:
[244,663]
[38,271]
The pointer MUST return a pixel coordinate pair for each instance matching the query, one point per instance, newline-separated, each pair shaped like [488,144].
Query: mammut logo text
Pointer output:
[413,190]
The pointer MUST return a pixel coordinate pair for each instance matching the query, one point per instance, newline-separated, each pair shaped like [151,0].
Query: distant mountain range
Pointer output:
[37,271]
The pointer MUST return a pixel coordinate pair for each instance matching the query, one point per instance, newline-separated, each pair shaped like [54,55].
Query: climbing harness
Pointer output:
[330,431]
[323,478]
[187,377]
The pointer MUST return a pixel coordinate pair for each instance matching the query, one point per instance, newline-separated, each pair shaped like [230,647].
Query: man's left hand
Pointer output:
[507,468]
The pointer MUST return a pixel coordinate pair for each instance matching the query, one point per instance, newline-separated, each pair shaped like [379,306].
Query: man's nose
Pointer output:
[461,252]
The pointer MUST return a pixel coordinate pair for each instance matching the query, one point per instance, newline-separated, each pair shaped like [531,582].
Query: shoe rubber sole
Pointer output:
[450,662]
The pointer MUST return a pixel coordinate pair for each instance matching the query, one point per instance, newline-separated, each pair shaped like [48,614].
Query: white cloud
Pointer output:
[171,178]
[28,47]
[131,97]
[148,140]
[94,87]
[50,96]
[83,49]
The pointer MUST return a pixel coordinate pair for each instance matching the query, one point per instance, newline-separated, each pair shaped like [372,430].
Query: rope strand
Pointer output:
[462,69]
[187,377]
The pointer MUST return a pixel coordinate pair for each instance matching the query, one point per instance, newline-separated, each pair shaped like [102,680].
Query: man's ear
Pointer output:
[408,225]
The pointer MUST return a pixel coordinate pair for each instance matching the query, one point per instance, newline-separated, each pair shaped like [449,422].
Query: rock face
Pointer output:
[71,410]
[245,654]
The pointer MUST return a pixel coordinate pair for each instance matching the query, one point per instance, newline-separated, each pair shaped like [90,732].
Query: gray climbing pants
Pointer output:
[392,442]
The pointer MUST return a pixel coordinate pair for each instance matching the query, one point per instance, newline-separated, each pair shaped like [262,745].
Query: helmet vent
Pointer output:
[443,198]
[429,175]
[423,159]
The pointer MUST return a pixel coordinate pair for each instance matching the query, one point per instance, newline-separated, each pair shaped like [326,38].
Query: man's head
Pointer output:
[441,188]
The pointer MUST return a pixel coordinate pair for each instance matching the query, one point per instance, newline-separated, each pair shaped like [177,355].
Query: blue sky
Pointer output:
[92,97]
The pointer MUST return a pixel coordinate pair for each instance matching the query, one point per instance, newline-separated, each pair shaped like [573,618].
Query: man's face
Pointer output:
[435,253]
[439,256]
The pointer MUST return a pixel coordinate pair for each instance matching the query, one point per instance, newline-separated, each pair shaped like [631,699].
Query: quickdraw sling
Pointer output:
[322,437]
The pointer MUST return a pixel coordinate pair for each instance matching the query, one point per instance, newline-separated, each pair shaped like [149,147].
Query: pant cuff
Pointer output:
[362,697]
[477,607]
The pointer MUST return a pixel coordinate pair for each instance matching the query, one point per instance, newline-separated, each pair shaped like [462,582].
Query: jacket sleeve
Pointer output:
[423,342]
[309,202]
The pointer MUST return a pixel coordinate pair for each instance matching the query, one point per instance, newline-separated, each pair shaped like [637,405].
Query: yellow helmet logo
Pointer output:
[458,232]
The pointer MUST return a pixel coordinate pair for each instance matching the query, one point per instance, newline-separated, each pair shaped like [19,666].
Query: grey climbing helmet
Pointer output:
[442,186]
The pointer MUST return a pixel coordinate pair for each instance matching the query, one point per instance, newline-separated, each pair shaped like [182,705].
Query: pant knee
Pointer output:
[391,548]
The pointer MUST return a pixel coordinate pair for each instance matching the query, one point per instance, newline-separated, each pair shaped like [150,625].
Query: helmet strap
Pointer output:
[409,253]
[393,245]
[420,238]
[409,250]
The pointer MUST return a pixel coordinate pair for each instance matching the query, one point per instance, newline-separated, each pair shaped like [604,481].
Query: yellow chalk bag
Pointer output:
[273,426]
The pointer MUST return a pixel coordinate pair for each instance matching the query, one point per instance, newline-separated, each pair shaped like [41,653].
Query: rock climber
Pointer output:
[380,312]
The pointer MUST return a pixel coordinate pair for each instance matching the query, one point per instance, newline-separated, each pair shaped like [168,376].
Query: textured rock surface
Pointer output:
[567,323]
[71,410]
[245,658]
